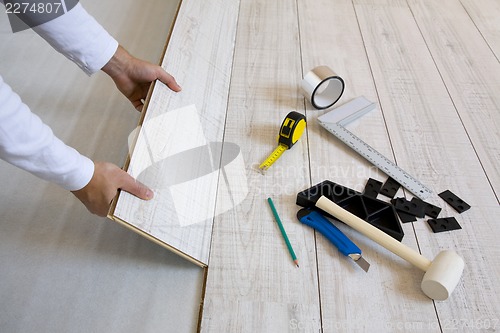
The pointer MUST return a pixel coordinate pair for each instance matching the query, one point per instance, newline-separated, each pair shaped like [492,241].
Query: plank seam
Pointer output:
[310,168]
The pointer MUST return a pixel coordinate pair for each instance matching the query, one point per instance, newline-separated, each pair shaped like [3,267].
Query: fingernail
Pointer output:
[149,195]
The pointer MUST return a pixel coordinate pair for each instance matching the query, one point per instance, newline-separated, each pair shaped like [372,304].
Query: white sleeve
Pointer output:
[78,36]
[26,142]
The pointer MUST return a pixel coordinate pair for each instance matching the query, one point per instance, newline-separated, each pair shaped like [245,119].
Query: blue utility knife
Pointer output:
[318,222]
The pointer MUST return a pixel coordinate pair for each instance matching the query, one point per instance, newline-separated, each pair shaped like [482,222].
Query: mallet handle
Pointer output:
[374,234]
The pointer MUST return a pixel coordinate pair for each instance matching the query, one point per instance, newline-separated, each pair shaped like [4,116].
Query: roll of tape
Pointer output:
[322,87]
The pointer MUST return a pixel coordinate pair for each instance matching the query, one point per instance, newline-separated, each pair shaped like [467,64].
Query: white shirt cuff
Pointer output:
[78,36]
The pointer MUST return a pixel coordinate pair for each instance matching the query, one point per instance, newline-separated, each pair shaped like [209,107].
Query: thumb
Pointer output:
[134,187]
[168,79]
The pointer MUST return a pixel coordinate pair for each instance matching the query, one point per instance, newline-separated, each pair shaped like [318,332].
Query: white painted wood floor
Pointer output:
[433,69]
[432,66]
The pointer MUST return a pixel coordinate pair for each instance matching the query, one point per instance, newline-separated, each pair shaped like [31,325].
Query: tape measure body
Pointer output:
[291,130]
[379,160]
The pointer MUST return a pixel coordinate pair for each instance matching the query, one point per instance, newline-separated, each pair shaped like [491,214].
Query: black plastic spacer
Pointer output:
[443,224]
[454,201]
[390,188]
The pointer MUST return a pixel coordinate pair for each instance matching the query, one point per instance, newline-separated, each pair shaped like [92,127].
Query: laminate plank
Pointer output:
[388,296]
[485,15]
[172,153]
[252,283]
[471,73]
[428,136]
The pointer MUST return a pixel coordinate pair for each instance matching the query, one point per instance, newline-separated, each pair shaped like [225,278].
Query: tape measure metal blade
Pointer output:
[379,160]
[273,157]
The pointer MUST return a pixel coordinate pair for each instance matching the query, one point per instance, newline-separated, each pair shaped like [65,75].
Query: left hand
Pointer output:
[133,76]
[105,183]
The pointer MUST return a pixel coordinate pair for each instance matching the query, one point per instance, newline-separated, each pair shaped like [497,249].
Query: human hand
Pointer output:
[133,76]
[102,188]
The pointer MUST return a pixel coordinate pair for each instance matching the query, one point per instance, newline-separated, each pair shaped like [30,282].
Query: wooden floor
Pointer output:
[433,69]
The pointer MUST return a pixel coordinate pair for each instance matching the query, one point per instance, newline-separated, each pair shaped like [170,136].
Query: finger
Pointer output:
[134,187]
[138,105]
[169,80]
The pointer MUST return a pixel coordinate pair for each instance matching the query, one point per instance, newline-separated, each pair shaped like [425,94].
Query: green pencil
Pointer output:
[276,216]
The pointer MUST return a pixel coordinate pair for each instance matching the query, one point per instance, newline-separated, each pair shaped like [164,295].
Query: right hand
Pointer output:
[133,76]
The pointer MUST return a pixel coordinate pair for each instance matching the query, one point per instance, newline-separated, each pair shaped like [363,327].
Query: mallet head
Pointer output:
[443,275]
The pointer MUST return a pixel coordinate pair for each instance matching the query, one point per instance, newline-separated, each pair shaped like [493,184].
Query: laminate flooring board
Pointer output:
[429,140]
[389,294]
[63,269]
[485,14]
[471,73]
[252,283]
[341,48]
[199,54]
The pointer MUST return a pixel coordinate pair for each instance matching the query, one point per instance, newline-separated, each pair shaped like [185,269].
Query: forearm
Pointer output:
[26,142]
[119,63]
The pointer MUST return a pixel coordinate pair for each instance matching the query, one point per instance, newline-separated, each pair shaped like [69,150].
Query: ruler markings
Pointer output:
[379,160]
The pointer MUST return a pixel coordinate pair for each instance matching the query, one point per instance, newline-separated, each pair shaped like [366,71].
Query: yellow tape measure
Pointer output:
[290,132]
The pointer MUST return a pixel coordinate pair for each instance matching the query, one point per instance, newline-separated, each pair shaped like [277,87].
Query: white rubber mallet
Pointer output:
[442,274]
